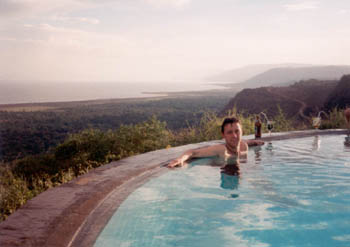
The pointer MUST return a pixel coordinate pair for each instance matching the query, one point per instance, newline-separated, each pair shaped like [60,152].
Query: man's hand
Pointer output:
[179,162]
[176,163]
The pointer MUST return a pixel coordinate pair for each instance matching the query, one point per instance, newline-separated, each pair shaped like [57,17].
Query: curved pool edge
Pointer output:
[74,213]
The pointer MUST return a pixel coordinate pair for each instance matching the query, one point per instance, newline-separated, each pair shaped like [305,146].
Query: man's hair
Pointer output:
[230,120]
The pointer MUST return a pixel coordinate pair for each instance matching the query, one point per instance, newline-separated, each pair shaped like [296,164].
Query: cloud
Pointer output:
[308,5]
[9,7]
[168,3]
[344,11]
[46,51]
[27,8]
[7,39]
[76,19]
[48,35]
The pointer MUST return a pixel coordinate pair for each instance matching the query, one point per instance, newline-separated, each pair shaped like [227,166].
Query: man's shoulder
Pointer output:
[211,150]
[218,147]
[244,145]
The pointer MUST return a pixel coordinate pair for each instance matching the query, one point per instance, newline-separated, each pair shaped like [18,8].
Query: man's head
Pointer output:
[231,131]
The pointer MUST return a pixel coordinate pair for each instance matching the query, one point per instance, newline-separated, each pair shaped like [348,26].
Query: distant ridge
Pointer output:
[244,73]
[280,74]
[285,76]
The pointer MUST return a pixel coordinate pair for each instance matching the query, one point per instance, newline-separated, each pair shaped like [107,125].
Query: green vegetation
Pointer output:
[29,133]
[335,120]
[281,121]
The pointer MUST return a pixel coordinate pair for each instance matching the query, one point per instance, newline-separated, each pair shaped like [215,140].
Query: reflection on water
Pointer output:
[230,176]
[347,141]
[231,170]
[257,152]
[269,146]
[229,182]
[316,144]
[229,173]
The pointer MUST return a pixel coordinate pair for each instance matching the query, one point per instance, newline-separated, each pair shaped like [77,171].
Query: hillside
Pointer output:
[340,97]
[300,100]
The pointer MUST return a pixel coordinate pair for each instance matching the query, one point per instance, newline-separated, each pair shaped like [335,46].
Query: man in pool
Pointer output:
[234,146]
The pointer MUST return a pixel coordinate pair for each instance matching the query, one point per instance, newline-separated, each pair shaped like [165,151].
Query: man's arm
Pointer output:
[254,142]
[248,143]
[197,153]
[243,149]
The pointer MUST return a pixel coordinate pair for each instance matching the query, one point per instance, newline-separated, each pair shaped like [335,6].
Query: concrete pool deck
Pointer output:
[74,213]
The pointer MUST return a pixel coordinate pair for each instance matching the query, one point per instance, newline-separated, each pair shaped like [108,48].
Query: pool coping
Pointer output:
[74,213]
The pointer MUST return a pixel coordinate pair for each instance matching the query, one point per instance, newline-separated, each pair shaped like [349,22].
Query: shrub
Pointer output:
[281,123]
[140,138]
[13,192]
[335,120]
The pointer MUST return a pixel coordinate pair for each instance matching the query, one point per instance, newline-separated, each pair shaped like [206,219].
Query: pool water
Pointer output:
[291,193]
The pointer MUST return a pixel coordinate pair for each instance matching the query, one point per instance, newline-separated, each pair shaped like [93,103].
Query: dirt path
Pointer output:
[302,103]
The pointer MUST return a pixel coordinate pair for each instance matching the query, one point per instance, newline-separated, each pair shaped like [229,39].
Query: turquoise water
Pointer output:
[295,194]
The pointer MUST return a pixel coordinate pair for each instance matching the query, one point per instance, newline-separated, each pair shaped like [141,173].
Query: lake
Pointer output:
[13,92]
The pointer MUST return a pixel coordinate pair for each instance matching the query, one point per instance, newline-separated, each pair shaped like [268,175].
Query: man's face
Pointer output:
[232,134]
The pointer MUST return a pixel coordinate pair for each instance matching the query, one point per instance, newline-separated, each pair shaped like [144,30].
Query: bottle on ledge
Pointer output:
[257,127]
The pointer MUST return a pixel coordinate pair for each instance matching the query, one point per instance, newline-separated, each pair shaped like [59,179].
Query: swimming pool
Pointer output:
[293,194]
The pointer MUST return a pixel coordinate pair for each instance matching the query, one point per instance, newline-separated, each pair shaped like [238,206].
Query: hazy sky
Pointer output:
[84,40]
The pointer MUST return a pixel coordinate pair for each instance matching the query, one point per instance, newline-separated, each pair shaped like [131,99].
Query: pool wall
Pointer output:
[74,213]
